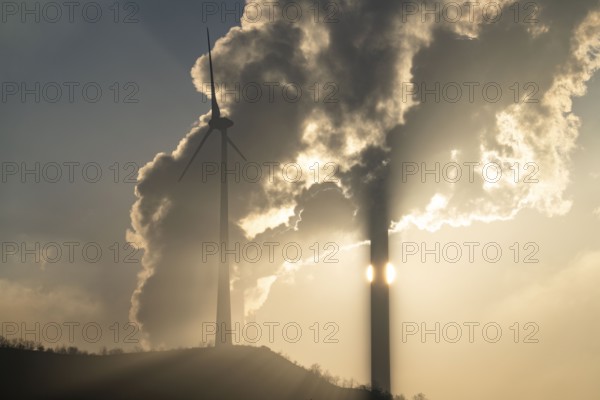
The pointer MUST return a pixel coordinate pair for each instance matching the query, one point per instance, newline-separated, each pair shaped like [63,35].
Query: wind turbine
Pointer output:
[220,124]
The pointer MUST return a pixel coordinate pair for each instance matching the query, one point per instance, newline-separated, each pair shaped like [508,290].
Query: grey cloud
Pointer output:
[368,54]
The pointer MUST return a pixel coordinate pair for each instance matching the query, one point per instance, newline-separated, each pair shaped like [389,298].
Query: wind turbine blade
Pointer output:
[196,153]
[216,113]
[236,149]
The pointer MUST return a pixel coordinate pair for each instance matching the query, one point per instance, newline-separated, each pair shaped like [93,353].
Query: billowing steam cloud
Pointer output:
[530,142]
[353,112]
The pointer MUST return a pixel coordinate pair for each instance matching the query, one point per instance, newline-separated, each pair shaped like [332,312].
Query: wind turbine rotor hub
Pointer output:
[220,123]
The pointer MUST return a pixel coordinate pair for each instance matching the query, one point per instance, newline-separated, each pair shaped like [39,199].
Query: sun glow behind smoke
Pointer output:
[370,273]
[390,273]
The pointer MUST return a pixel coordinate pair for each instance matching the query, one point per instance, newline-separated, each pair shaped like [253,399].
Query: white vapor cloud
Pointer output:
[367,55]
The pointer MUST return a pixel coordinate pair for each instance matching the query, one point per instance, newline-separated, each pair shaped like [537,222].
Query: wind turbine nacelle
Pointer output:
[220,123]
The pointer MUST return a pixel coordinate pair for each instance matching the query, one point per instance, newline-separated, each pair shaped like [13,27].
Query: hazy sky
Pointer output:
[384,87]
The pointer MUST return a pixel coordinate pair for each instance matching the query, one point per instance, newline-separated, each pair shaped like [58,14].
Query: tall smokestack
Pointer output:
[380,309]
[380,304]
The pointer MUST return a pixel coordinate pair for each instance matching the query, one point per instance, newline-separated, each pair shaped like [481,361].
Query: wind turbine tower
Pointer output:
[221,124]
